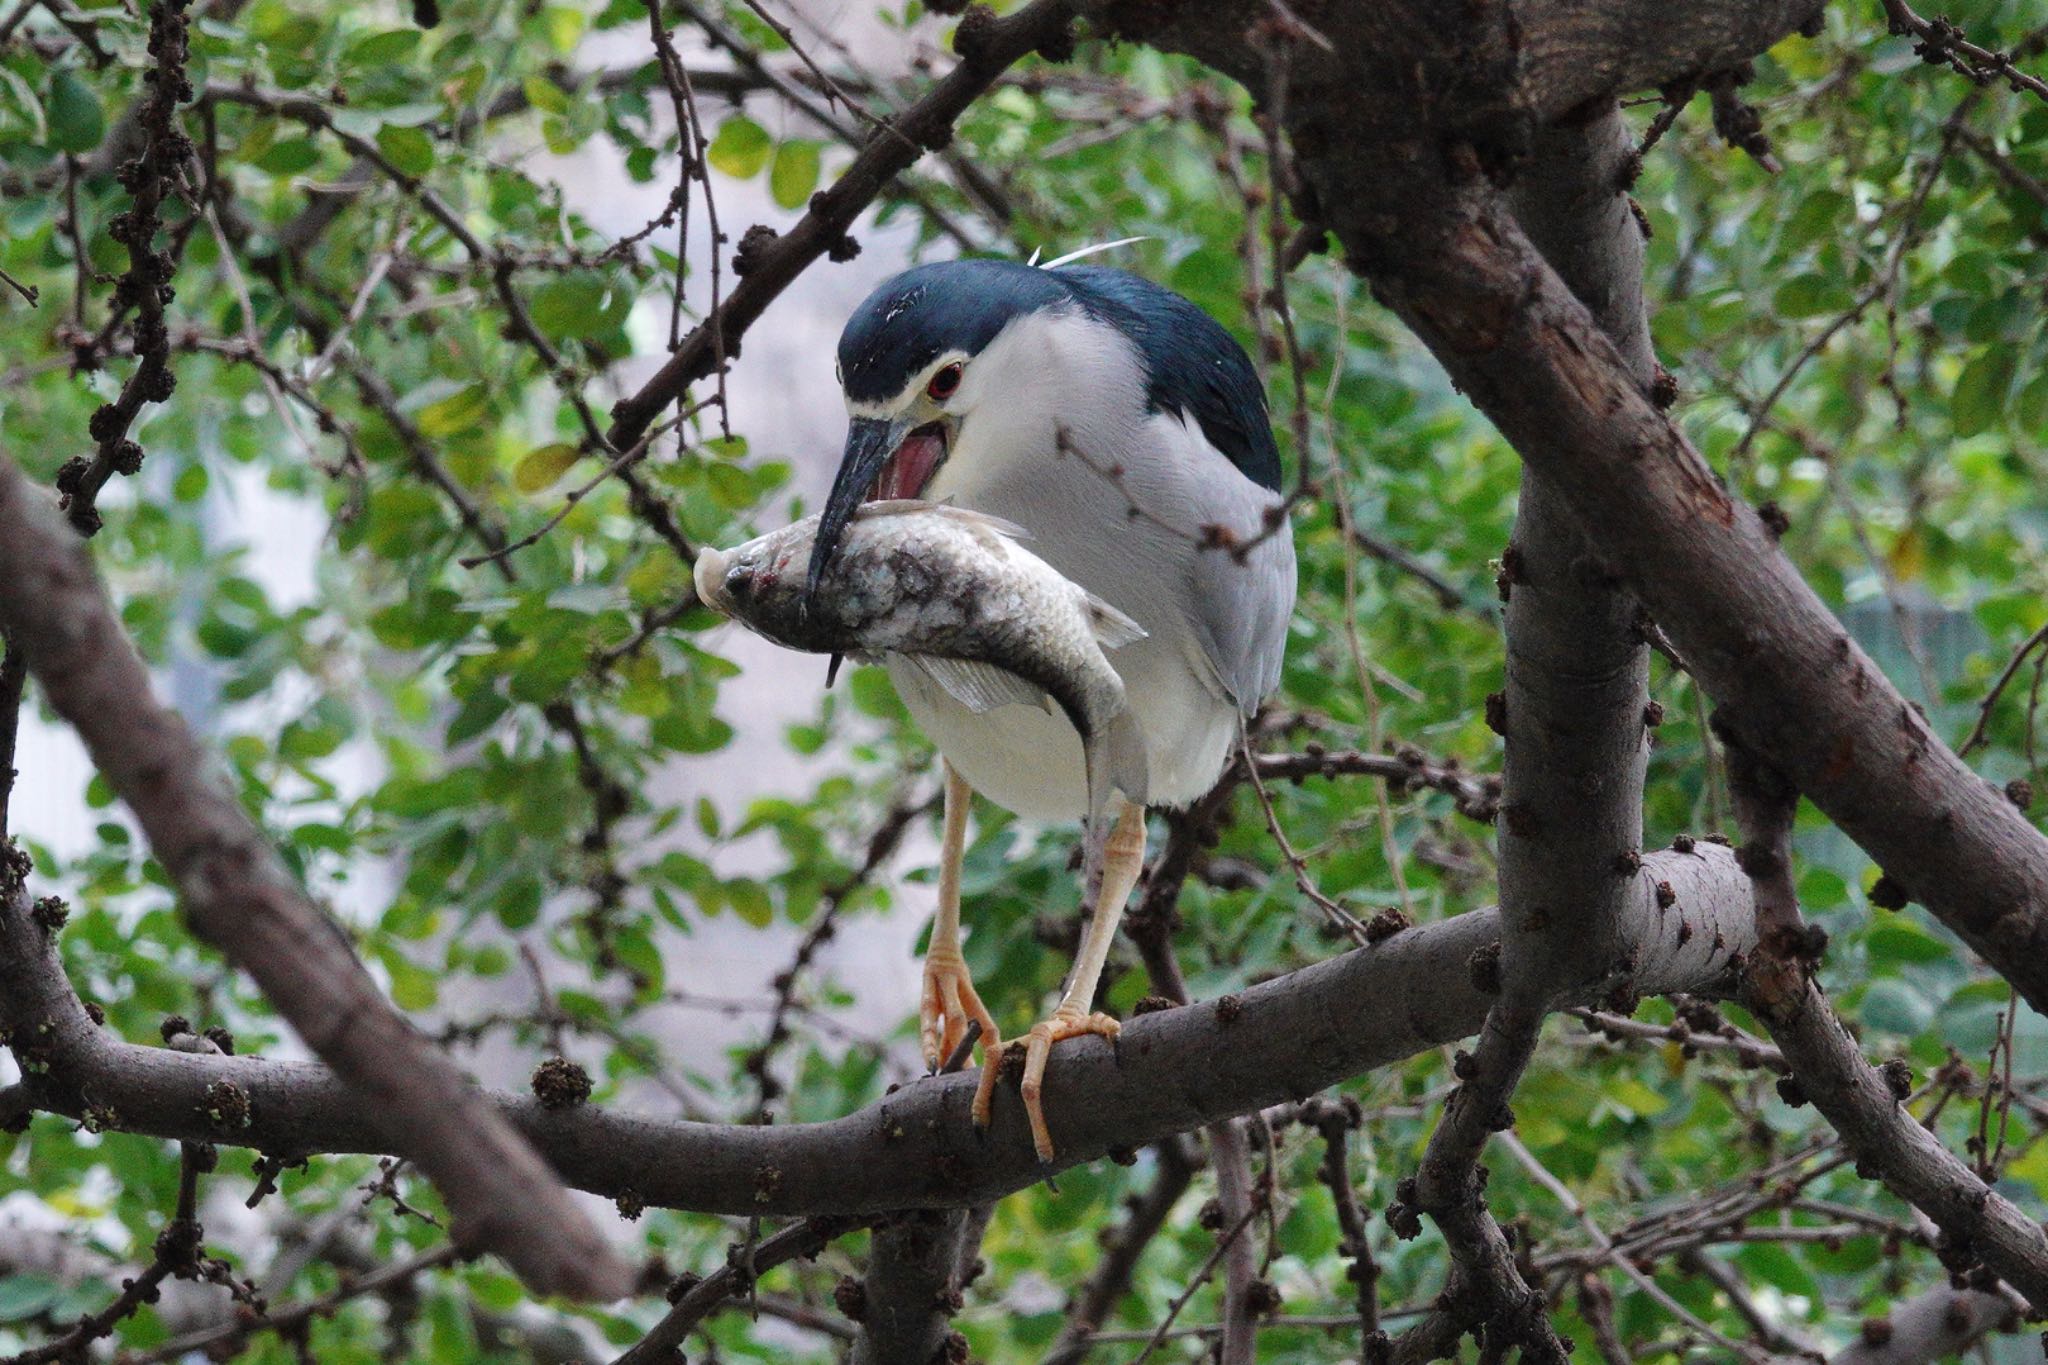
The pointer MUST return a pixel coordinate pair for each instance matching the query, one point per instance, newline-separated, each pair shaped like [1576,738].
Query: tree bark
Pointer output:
[1176,1070]
[240,898]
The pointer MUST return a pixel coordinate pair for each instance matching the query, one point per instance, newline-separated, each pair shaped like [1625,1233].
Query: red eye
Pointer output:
[944,383]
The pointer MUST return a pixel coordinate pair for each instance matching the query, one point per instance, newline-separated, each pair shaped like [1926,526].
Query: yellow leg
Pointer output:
[949,1001]
[1121,859]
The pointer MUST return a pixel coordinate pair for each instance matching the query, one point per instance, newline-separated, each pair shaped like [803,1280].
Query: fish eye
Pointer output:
[945,383]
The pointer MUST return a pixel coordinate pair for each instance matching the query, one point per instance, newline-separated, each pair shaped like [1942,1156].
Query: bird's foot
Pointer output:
[1066,1022]
[948,1005]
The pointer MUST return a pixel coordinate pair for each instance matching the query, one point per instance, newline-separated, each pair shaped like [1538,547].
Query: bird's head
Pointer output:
[923,359]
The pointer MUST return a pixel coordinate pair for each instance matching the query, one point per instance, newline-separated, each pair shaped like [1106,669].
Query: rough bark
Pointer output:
[1574,53]
[1178,1070]
[917,1267]
[239,897]
[1577,667]
[1572,716]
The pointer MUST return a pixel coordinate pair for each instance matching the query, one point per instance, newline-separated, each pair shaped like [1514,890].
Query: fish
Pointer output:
[956,593]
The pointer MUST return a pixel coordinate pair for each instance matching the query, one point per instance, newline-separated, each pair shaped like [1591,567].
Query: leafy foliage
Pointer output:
[475,762]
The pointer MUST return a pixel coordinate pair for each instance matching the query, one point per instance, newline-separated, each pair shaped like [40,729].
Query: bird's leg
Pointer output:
[949,1000]
[1113,867]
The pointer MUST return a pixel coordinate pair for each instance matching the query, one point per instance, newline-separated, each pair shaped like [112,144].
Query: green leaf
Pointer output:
[389,48]
[457,412]
[1808,296]
[2030,409]
[356,122]
[741,148]
[409,149]
[23,1296]
[289,157]
[797,164]
[564,27]
[539,468]
[749,900]
[1897,940]
[546,96]
[1978,402]
[570,308]
[77,123]
[412,986]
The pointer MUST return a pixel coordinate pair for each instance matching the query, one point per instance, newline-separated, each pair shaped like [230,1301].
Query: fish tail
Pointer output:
[1126,756]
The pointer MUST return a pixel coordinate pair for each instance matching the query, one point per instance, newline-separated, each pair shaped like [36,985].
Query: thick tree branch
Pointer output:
[241,899]
[1572,715]
[1789,679]
[1402,131]
[1178,1070]
[1574,53]
[917,1267]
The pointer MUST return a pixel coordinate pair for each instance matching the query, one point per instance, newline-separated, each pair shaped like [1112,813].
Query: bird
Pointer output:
[1127,433]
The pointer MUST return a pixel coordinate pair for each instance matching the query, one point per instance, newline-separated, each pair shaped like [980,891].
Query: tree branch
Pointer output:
[241,899]
[1179,1070]
[987,49]
[1572,715]
[917,1267]
[1575,53]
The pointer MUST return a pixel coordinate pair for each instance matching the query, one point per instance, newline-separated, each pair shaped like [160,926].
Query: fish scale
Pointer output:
[955,593]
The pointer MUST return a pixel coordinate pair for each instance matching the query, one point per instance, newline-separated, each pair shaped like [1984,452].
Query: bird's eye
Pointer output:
[944,383]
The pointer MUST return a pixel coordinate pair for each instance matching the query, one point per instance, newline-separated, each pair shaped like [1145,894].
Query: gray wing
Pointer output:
[1240,606]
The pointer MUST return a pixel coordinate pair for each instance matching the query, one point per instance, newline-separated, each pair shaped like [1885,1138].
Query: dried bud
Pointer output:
[559,1083]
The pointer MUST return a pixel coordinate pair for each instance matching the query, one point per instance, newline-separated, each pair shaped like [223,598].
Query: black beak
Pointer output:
[870,442]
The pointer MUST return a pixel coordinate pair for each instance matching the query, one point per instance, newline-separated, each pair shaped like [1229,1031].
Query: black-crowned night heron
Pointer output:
[1127,433]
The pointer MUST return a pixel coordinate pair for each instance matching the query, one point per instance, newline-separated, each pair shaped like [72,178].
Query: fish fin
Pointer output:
[1126,745]
[1114,758]
[978,686]
[944,507]
[982,520]
[1112,628]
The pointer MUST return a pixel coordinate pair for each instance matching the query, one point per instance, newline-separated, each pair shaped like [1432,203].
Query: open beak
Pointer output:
[883,459]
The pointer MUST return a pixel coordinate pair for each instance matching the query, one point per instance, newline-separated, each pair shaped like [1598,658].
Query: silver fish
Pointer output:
[956,594]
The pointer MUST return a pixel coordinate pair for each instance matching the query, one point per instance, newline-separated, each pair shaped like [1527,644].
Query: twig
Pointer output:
[1200,1278]
[1112,1277]
[697,1299]
[625,459]
[147,285]
[1942,42]
[13,678]
[29,292]
[1979,731]
[833,211]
